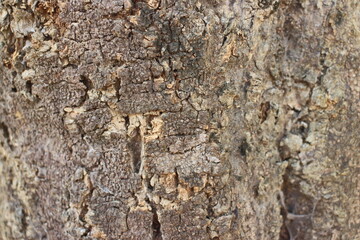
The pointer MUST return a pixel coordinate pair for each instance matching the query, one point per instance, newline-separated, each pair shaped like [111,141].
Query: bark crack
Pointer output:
[85,205]
[135,146]
[156,225]
[6,134]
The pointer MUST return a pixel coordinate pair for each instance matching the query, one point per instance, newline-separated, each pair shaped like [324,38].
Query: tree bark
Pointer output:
[180,119]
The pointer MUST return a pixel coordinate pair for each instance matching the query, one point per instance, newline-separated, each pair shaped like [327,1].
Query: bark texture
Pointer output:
[180,119]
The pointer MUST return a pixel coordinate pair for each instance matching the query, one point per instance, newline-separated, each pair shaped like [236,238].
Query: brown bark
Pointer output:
[187,119]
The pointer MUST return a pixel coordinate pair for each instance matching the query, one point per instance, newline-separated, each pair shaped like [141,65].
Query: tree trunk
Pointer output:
[180,119]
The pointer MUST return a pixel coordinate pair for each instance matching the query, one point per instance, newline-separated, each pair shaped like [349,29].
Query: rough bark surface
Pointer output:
[180,119]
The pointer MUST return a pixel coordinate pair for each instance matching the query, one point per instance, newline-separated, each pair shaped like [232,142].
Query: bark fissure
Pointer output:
[179,119]
[136,147]
[84,205]
[156,226]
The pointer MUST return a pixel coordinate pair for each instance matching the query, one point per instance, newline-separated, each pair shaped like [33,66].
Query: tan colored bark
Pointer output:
[187,119]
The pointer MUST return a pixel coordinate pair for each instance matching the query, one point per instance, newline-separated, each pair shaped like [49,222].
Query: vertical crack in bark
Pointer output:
[323,66]
[284,231]
[264,111]
[5,131]
[156,226]
[209,209]
[297,210]
[291,199]
[135,146]
[28,86]
[87,83]
[6,134]
[127,122]
[24,222]
[244,148]
[88,86]
[117,88]
[85,205]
